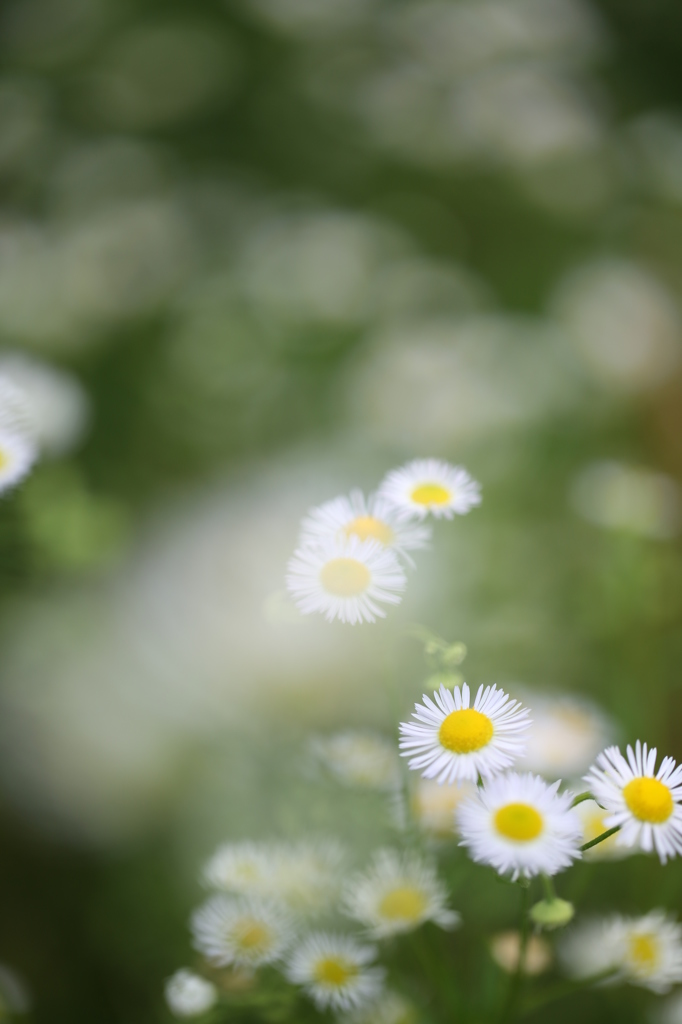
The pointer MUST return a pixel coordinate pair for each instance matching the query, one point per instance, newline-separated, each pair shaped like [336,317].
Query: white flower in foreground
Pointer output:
[520,824]
[189,995]
[240,930]
[398,894]
[57,405]
[359,758]
[334,970]
[345,579]
[430,485]
[434,806]
[455,741]
[18,448]
[645,803]
[593,818]
[565,736]
[505,948]
[645,951]
[368,519]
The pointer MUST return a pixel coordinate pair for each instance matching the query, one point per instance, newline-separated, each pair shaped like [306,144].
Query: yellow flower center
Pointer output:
[345,577]
[644,951]
[4,459]
[649,800]
[252,936]
[465,730]
[403,904]
[334,971]
[430,494]
[519,822]
[370,528]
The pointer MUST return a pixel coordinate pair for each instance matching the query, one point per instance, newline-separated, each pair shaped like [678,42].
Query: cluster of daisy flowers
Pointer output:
[352,551]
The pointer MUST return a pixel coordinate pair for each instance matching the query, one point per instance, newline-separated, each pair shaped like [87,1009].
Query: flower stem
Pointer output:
[509,1009]
[548,884]
[566,988]
[601,838]
[581,797]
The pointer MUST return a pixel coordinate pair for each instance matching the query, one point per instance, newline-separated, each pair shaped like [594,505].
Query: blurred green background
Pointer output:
[284,245]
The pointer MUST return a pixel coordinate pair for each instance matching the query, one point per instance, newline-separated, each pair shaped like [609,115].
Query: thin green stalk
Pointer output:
[566,988]
[513,993]
[601,838]
[580,798]
[548,884]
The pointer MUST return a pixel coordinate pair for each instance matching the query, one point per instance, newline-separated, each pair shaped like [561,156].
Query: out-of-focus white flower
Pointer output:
[430,485]
[189,995]
[14,996]
[670,1012]
[453,740]
[633,498]
[434,805]
[309,19]
[359,758]
[564,737]
[505,948]
[390,1008]
[345,579]
[623,323]
[644,951]
[243,867]
[372,519]
[334,970]
[593,818]
[520,824]
[56,403]
[645,803]
[241,930]
[18,449]
[398,894]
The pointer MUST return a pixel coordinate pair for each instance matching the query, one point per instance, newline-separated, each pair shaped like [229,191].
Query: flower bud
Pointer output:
[550,914]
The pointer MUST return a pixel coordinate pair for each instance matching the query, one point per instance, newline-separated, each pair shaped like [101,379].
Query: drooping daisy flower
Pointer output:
[593,818]
[455,741]
[565,736]
[645,951]
[505,948]
[189,995]
[359,758]
[368,519]
[241,930]
[522,825]
[18,448]
[397,894]
[334,971]
[430,485]
[434,805]
[645,803]
[346,579]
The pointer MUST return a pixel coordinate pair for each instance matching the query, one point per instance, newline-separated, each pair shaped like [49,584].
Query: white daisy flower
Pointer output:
[645,803]
[390,1008]
[397,894]
[56,404]
[565,736]
[645,951]
[434,805]
[368,519]
[455,741]
[359,758]
[241,930]
[505,948]
[242,867]
[430,485]
[18,448]
[189,995]
[346,579]
[593,819]
[522,825]
[334,970]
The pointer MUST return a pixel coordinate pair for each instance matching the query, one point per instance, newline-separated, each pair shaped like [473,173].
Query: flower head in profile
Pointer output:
[347,579]
[373,518]
[452,740]
[430,485]
[336,971]
[359,758]
[18,448]
[398,894]
[505,949]
[241,930]
[645,803]
[188,994]
[522,825]
[644,951]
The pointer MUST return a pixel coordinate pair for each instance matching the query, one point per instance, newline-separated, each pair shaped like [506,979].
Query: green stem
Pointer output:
[601,838]
[547,882]
[566,989]
[580,798]
[509,1009]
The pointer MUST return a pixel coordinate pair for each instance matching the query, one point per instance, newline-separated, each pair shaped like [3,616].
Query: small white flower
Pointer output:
[520,824]
[359,758]
[430,485]
[434,805]
[242,867]
[398,894]
[57,406]
[645,951]
[454,741]
[18,448]
[505,948]
[345,579]
[189,995]
[241,930]
[565,736]
[334,970]
[368,519]
[645,803]
[593,818]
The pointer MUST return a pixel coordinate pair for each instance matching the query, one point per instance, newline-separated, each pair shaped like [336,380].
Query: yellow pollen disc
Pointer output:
[519,822]
[331,971]
[644,951]
[465,730]
[370,528]
[649,800]
[404,904]
[345,577]
[430,494]
[4,459]
[252,936]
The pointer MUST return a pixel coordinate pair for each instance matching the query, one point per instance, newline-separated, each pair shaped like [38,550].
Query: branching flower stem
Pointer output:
[581,797]
[565,989]
[601,838]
